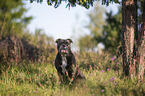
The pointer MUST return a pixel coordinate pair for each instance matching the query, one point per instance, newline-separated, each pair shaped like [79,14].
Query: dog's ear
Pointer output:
[57,40]
[69,40]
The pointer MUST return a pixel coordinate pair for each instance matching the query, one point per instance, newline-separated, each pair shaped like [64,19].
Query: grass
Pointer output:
[40,79]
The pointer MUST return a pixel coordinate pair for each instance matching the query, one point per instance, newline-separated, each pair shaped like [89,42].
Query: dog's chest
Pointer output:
[64,64]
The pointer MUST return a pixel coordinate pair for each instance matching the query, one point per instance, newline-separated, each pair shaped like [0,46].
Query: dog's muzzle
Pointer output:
[63,49]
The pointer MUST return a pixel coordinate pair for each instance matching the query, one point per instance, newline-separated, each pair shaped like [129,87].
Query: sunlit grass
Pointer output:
[40,79]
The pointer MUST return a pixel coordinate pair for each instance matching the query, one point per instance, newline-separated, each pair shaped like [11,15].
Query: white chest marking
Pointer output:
[64,64]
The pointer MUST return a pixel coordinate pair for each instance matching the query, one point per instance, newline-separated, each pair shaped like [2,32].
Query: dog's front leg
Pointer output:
[60,77]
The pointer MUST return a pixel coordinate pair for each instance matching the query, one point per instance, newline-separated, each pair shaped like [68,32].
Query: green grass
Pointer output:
[40,79]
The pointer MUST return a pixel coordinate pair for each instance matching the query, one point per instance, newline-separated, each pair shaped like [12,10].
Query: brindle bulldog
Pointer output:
[65,63]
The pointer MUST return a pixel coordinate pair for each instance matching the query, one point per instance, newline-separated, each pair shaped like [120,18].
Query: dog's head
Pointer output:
[63,46]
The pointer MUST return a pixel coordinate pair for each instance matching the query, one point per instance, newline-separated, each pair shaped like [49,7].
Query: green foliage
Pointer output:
[16,43]
[41,79]
[12,19]
[87,43]
[97,20]
[111,36]
[73,3]
[106,31]
[95,27]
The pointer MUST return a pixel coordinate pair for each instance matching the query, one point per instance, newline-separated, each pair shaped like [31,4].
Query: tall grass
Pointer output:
[41,79]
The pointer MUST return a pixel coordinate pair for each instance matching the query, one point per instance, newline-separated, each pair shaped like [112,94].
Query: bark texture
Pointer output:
[141,48]
[128,36]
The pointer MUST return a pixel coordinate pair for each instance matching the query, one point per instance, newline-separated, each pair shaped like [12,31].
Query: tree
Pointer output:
[111,33]
[12,19]
[95,27]
[132,63]
[97,20]
[16,43]
[105,31]
[132,40]
[128,30]
[141,48]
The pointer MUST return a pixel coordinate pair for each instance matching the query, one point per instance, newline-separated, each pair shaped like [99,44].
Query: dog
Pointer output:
[65,63]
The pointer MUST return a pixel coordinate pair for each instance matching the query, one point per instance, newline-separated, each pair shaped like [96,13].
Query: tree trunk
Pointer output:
[128,36]
[141,48]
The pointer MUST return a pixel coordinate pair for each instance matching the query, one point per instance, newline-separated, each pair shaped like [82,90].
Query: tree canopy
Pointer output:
[73,3]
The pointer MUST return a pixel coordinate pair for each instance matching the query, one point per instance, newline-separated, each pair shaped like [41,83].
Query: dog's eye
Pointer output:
[66,43]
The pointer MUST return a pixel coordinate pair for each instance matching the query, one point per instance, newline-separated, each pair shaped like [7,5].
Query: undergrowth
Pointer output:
[41,79]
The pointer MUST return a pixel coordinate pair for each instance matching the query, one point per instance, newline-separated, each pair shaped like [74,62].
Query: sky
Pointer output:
[59,22]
